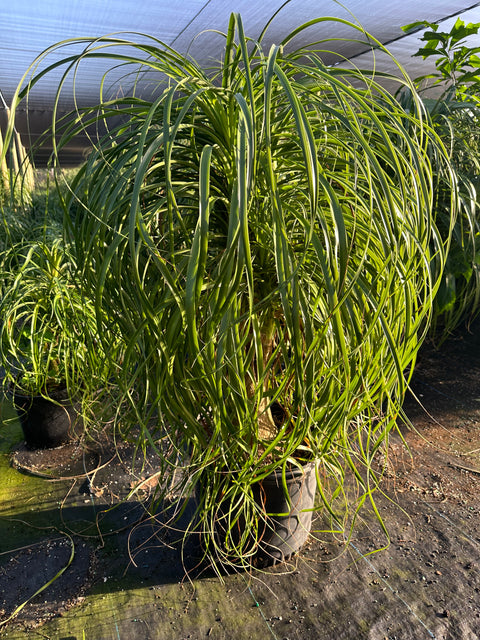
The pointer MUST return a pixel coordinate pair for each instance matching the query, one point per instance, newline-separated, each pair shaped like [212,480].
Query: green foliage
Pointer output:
[455,114]
[457,64]
[43,317]
[39,215]
[47,204]
[47,329]
[16,170]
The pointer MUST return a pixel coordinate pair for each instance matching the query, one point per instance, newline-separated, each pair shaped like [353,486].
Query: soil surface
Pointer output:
[79,559]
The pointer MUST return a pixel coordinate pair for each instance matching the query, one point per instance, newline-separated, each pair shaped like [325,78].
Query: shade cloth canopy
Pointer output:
[192,26]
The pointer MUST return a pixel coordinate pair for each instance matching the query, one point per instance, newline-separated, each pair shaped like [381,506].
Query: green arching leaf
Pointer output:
[198,251]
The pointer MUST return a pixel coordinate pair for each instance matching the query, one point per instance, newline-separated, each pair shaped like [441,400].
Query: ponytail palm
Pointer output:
[262,234]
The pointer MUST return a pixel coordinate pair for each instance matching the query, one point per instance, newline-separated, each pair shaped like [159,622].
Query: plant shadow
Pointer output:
[88,549]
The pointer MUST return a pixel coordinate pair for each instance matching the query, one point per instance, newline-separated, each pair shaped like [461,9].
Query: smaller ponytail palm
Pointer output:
[48,330]
[262,235]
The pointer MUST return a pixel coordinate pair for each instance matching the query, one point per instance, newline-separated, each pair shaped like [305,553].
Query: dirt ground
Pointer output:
[117,580]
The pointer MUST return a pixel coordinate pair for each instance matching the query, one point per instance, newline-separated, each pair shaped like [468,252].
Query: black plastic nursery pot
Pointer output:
[289,513]
[287,504]
[48,423]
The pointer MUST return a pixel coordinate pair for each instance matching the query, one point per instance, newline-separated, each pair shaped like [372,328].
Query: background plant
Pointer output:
[17,179]
[48,330]
[261,234]
[16,172]
[451,94]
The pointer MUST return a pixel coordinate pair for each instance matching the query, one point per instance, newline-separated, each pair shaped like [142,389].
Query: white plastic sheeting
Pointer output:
[30,26]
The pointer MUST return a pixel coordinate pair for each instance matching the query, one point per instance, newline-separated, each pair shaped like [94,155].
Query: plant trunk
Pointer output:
[267,429]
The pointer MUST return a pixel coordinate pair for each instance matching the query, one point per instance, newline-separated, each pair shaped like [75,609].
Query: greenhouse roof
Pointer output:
[192,26]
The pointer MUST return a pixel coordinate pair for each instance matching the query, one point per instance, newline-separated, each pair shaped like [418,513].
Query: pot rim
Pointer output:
[291,473]
[57,394]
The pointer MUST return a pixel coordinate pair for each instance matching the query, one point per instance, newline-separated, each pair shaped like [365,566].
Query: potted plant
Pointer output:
[261,232]
[47,342]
